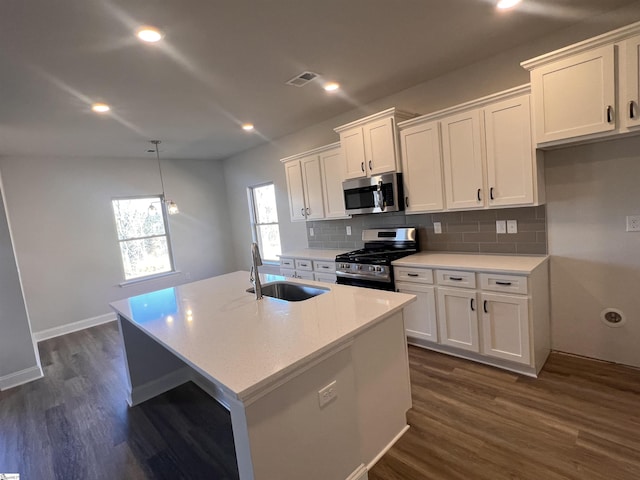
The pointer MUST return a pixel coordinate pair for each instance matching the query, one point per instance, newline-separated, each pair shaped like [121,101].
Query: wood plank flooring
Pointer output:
[580,420]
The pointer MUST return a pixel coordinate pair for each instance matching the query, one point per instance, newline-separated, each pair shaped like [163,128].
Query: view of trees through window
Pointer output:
[143,237]
[265,221]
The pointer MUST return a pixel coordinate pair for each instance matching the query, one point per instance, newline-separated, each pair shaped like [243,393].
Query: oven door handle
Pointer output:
[386,278]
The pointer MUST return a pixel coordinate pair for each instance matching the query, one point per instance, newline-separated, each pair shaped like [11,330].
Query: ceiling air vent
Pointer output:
[302,79]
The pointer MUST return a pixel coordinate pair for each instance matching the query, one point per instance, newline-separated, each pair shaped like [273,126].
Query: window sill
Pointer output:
[158,276]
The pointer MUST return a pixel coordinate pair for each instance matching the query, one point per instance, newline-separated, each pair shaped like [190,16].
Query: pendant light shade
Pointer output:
[172,207]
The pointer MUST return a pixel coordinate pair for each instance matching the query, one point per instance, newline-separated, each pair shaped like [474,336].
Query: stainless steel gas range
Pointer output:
[371,265]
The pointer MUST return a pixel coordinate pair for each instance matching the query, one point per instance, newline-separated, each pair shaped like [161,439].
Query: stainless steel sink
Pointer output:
[291,292]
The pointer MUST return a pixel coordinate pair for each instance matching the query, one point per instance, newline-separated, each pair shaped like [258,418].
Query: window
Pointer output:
[264,220]
[141,223]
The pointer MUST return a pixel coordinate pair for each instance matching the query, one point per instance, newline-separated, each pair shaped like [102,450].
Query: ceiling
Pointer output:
[223,63]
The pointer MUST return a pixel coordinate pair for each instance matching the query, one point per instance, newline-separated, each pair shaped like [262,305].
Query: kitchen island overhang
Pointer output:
[267,361]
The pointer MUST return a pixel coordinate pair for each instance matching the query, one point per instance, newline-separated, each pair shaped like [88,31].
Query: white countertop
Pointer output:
[315,253]
[518,264]
[243,344]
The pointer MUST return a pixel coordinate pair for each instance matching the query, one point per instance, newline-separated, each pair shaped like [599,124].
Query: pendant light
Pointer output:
[172,208]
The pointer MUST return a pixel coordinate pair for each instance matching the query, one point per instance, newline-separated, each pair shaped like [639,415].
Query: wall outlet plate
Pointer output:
[328,393]
[437,227]
[633,223]
[348,229]
[501,226]
[512,226]
[311,233]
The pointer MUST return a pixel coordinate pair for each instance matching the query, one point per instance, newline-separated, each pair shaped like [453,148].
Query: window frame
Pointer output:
[254,219]
[167,235]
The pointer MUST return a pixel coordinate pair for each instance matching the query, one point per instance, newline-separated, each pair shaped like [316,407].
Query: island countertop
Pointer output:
[244,345]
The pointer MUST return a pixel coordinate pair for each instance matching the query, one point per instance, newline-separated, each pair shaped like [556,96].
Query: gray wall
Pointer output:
[17,352]
[66,244]
[595,263]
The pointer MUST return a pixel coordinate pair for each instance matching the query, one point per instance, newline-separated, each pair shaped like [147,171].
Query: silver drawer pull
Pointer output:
[325,266]
[505,284]
[304,265]
[413,275]
[456,279]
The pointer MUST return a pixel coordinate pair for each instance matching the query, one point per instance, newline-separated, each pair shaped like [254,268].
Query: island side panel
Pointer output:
[381,367]
[289,436]
[151,368]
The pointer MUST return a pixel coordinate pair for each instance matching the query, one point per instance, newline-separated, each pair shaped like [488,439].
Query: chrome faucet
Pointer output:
[254,277]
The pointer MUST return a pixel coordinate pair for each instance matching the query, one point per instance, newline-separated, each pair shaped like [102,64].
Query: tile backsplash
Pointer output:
[471,231]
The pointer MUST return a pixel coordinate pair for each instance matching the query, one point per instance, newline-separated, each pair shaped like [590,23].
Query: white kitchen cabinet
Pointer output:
[308,269]
[422,167]
[575,96]
[463,160]
[458,318]
[420,317]
[370,146]
[589,90]
[333,170]
[314,184]
[505,327]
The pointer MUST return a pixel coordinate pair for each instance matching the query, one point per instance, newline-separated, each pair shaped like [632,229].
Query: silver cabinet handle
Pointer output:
[362,166]
[308,211]
[473,308]
[370,165]
[302,212]
[632,109]
[609,114]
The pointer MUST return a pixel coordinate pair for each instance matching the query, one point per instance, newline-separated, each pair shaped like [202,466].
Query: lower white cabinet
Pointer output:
[505,327]
[501,319]
[308,269]
[458,318]
[420,316]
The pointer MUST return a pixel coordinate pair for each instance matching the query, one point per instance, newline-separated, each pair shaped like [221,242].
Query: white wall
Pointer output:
[483,78]
[595,263]
[64,232]
[19,360]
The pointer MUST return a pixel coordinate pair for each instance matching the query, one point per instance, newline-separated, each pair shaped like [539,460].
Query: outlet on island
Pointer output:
[327,394]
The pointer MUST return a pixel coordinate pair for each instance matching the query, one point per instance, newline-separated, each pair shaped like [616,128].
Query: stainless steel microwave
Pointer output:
[376,194]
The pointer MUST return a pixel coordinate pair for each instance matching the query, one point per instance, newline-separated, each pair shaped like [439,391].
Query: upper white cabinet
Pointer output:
[587,91]
[422,167]
[370,145]
[314,184]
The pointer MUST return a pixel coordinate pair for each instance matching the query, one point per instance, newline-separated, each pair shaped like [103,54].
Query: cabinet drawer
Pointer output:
[456,278]
[325,277]
[304,275]
[413,274]
[287,263]
[287,272]
[324,266]
[503,283]
[303,264]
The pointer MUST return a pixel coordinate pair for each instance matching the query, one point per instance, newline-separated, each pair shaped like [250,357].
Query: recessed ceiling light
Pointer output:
[331,86]
[100,107]
[504,4]
[247,127]
[149,34]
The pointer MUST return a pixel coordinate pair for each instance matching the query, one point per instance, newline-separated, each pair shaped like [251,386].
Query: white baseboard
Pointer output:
[359,473]
[386,449]
[159,386]
[18,378]
[73,327]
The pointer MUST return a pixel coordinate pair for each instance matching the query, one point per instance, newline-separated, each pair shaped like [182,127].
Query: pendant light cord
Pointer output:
[156,143]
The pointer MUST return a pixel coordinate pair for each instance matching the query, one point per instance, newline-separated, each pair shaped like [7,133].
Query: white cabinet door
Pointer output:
[505,327]
[333,174]
[463,162]
[420,316]
[296,191]
[325,277]
[458,318]
[575,96]
[422,168]
[380,147]
[312,186]
[352,144]
[631,103]
[509,152]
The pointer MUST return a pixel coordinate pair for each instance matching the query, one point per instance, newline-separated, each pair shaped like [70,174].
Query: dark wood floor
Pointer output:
[580,420]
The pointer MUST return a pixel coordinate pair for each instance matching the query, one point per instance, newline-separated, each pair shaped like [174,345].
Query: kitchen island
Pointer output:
[316,389]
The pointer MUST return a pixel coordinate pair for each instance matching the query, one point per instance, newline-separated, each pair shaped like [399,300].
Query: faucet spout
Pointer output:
[256,261]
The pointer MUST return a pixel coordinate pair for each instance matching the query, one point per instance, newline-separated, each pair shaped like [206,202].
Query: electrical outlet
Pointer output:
[512,226]
[348,229]
[437,227]
[327,394]
[633,223]
[311,232]
[501,226]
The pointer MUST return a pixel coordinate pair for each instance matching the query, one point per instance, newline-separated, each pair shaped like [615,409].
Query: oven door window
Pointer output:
[357,198]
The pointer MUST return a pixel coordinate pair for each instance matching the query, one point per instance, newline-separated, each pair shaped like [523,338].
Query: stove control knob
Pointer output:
[378,269]
[358,267]
[372,268]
